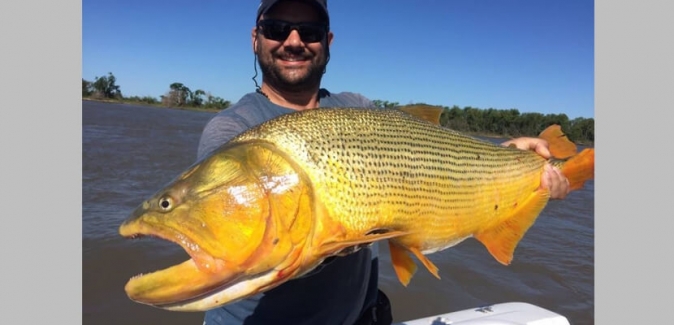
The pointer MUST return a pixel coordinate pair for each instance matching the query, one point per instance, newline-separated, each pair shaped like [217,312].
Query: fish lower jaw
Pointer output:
[229,294]
[177,285]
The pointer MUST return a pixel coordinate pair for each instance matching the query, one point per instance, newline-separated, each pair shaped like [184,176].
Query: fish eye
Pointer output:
[165,203]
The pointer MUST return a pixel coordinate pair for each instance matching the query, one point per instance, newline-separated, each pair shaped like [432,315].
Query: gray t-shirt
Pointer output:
[334,293]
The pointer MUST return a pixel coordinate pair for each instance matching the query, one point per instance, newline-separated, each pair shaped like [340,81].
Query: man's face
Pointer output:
[292,64]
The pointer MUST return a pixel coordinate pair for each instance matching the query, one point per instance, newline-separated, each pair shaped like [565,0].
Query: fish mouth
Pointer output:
[202,282]
[188,281]
[201,259]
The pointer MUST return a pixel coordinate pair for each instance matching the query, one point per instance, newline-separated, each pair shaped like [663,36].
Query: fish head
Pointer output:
[244,216]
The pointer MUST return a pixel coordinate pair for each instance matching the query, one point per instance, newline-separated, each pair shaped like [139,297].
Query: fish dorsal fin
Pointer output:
[559,144]
[425,112]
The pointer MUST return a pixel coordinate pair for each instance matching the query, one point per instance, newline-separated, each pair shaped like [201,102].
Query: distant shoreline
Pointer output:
[185,108]
[215,111]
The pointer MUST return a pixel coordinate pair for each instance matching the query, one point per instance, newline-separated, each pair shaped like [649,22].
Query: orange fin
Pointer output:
[501,239]
[425,112]
[427,263]
[579,168]
[559,144]
[403,264]
[333,248]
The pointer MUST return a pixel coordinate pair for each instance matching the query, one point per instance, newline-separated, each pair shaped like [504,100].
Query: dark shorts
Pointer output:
[379,314]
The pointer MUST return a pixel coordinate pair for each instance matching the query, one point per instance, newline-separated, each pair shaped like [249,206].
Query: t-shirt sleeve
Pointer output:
[365,102]
[218,131]
[347,99]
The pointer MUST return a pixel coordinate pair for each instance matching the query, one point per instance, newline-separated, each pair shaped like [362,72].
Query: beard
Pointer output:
[293,80]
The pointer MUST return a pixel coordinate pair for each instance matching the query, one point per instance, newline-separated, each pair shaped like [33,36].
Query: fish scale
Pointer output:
[412,174]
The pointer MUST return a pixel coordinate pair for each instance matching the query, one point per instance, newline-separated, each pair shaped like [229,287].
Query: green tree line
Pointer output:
[178,95]
[489,122]
[512,123]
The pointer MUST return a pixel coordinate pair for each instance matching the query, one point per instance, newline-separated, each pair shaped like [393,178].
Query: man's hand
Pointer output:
[552,177]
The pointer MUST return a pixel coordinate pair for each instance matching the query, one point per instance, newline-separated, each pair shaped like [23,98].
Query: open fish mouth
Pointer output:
[200,283]
[202,260]
[190,280]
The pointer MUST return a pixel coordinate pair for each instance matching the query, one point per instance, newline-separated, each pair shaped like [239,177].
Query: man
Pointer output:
[291,42]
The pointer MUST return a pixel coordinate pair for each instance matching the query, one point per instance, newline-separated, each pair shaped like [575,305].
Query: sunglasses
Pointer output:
[279,30]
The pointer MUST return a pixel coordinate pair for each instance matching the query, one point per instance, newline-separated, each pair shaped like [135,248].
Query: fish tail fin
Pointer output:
[579,168]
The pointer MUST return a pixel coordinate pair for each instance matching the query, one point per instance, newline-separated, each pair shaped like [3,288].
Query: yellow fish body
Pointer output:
[274,202]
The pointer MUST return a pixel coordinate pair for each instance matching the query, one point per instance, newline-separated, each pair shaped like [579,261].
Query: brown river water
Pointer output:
[129,152]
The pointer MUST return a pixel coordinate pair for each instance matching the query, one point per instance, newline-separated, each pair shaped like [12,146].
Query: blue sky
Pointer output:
[533,55]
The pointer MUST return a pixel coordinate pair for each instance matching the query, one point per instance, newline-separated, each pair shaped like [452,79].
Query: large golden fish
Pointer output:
[274,202]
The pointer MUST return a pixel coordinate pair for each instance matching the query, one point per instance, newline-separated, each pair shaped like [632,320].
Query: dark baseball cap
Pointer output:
[321,5]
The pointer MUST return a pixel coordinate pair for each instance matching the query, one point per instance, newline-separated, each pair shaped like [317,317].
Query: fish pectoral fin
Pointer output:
[336,246]
[403,264]
[502,238]
[558,143]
